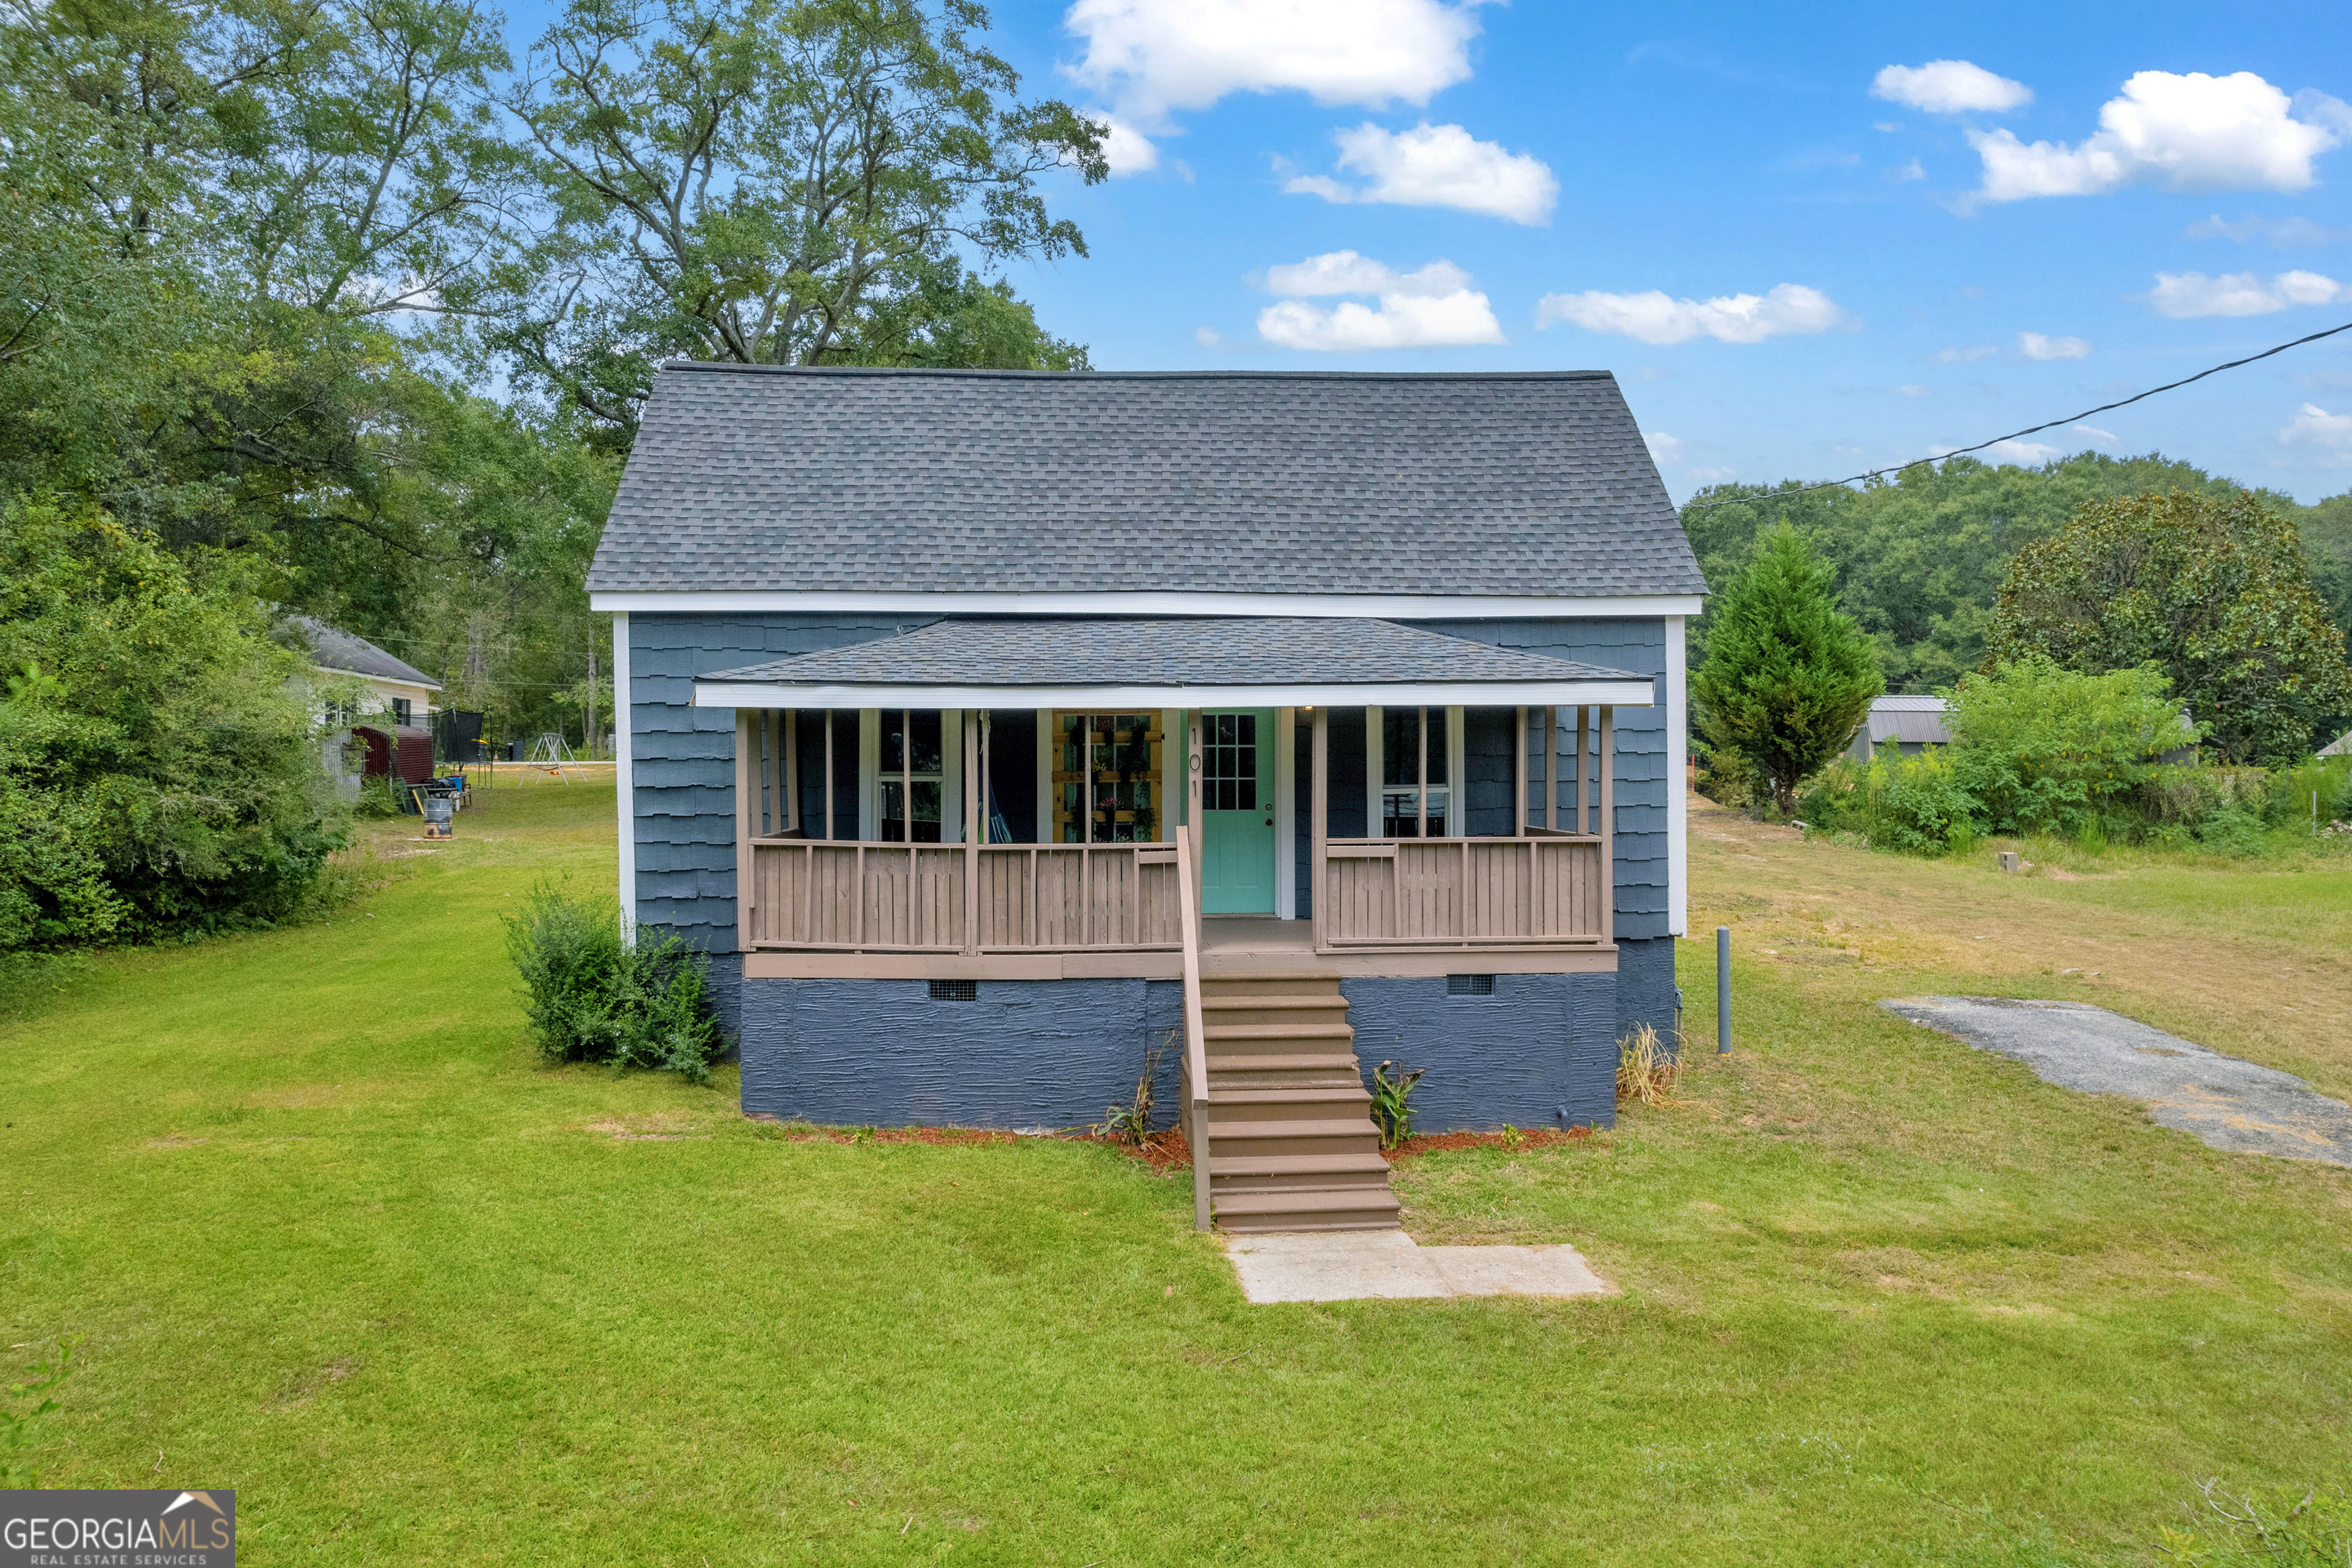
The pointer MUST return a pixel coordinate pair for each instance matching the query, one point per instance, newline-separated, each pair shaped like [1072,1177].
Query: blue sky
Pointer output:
[1890,228]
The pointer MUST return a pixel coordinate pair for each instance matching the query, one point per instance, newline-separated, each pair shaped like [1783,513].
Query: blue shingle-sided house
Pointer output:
[988,728]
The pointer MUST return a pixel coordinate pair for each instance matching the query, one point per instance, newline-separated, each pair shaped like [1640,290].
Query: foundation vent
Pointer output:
[1469,986]
[955,990]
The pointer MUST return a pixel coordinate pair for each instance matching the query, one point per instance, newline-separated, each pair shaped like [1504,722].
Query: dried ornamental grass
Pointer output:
[1646,1071]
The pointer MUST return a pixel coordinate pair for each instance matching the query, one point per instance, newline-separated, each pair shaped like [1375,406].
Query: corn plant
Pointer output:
[1392,1101]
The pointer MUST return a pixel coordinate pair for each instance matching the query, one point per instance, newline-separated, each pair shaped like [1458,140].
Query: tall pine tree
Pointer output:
[1787,675]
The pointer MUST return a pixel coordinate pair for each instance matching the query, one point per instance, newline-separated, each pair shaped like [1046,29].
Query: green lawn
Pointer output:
[332,1237]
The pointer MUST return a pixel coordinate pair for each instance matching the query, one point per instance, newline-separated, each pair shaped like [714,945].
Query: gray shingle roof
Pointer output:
[752,479]
[333,649]
[1247,651]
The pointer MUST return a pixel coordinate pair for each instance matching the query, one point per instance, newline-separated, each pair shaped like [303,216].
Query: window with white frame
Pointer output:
[1415,791]
[912,768]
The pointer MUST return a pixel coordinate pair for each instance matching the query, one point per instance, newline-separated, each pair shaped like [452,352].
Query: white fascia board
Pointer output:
[420,684]
[1379,607]
[1556,693]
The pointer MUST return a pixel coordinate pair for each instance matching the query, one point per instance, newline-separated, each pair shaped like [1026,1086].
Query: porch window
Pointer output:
[1106,778]
[911,754]
[1414,790]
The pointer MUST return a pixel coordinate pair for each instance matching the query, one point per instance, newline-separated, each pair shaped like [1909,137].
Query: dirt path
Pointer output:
[2255,963]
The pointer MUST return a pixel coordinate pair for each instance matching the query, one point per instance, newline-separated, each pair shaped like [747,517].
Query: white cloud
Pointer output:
[1126,149]
[2192,132]
[2284,234]
[2030,452]
[2186,294]
[1949,87]
[1911,389]
[1154,56]
[1914,170]
[1968,355]
[1663,448]
[1345,272]
[1207,336]
[2034,345]
[2315,426]
[1654,317]
[1323,185]
[1438,166]
[2096,433]
[2321,108]
[1435,306]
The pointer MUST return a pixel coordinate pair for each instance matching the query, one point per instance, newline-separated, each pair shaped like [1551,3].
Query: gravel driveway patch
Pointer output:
[2229,1103]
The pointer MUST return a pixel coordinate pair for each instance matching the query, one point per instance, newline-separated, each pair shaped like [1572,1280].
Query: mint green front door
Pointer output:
[1238,813]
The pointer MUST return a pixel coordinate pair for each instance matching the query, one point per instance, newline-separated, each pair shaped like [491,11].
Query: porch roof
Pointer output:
[1239,661]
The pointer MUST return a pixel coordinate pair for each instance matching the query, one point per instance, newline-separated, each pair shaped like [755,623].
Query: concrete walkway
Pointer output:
[1371,1264]
[2228,1103]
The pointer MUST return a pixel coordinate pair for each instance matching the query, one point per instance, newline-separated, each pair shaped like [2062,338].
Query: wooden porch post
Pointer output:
[1608,866]
[975,830]
[744,904]
[1421,785]
[792,771]
[829,717]
[1520,774]
[1193,794]
[1318,817]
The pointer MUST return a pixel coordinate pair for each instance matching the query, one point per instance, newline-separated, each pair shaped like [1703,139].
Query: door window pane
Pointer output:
[1229,762]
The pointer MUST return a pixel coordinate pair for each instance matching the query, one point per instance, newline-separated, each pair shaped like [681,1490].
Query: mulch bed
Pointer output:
[1164,1151]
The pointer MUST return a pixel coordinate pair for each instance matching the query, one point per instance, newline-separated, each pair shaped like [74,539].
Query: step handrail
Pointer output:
[1196,1047]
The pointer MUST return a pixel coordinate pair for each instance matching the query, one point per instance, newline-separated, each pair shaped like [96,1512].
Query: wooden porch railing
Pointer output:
[1196,1037]
[1463,892]
[839,896]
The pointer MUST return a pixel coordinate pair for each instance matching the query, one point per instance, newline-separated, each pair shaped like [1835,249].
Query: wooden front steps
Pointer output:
[1291,1141]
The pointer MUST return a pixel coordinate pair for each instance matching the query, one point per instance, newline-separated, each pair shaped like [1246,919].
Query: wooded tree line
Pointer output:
[345,290]
[1919,561]
[2190,615]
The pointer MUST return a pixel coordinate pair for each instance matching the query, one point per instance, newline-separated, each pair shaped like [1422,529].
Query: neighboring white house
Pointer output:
[398,689]
[2339,747]
[1913,723]
[389,724]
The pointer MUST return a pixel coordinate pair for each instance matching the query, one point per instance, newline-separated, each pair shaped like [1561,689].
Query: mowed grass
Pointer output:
[331,1236]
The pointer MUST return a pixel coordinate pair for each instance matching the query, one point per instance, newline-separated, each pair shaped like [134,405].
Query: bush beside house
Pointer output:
[159,772]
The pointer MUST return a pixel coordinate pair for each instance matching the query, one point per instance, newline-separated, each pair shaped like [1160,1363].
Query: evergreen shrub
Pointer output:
[594,998]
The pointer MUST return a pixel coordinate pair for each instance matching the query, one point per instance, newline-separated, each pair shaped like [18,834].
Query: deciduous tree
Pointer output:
[2215,592]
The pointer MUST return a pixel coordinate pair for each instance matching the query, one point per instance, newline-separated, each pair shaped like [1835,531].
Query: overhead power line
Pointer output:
[2028,430]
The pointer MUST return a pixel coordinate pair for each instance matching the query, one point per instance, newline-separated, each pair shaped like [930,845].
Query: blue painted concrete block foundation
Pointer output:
[1539,1051]
[1027,1054]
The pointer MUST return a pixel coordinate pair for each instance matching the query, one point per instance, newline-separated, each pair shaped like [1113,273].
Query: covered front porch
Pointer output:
[1024,799]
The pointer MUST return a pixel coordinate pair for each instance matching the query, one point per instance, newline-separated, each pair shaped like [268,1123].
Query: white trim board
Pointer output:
[1385,606]
[1678,781]
[1451,694]
[624,753]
